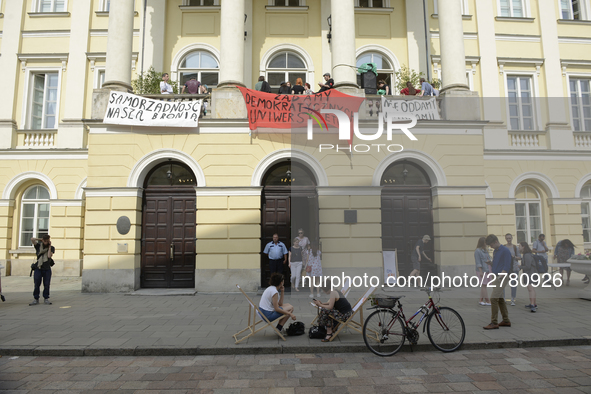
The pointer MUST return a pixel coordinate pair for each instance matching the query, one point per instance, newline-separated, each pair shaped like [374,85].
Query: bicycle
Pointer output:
[386,329]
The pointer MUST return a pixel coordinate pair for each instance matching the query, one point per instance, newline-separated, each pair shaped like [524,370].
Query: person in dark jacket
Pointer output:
[44,252]
[284,89]
[337,307]
[262,85]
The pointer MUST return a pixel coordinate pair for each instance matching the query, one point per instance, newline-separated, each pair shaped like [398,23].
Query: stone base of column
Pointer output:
[7,134]
[71,134]
[228,103]
[100,102]
[460,105]
[230,83]
[350,89]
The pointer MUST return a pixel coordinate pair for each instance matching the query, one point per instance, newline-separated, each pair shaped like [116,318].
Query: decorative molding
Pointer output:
[48,14]
[502,61]
[582,182]
[533,155]
[383,50]
[467,36]
[105,32]
[280,8]
[500,201]
[67,203]
[543,179]
[374,10]
[79,195]
[38,154]
[228,191]
[146,163]
[459,190]
[517,38]
[350,191]
[573,22]
[565,63]
[564,201]
[425,161]
[13,185]
[574,40]
[45,33]
[514,19]
[6,203]
[196,46]
[185,8]
[114,192]
[294,154]
[93,57]
[26,57]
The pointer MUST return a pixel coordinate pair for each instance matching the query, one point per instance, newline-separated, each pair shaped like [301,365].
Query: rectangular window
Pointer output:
[44,101]
[287,3]
[570,9]
[586,215]
[34,222]
[580,99]
[371,4]
[528,221]
[512,8]
[520,97]
[51,6]
[101,79]
[202,3]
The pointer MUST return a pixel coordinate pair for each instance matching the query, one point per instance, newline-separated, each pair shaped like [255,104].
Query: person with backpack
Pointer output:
[337,307]
[529,267]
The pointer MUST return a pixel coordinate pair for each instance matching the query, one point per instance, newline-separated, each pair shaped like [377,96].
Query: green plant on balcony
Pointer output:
[149,83]
[406,74]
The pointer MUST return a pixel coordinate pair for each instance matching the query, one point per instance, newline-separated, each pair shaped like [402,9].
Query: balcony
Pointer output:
[36,139]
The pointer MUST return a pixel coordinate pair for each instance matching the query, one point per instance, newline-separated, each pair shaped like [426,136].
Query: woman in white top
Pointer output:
[272,305]
[304,241]
[314,265]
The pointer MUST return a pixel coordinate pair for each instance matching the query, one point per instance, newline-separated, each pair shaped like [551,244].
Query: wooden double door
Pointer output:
[406,217]
[168,238]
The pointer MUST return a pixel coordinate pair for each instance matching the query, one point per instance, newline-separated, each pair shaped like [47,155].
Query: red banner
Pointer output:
[282,111]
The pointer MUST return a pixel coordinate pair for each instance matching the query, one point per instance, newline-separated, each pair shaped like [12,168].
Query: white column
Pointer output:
[415,36]
[119,45]
[232,43]
[249,79]
[451,42]
[71,129]
[10,66]
[343,42]
[326,49]
[153,36]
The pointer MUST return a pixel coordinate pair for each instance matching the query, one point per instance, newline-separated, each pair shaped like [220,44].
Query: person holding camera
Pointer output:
[42,268]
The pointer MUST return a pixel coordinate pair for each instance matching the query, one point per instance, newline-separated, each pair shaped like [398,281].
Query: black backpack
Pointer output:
[317,332]
[295,329]
[541,264]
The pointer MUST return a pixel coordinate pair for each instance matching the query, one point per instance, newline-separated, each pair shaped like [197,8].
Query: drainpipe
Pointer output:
[427,40]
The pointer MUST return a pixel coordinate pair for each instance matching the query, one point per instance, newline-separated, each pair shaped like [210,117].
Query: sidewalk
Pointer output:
[121,325]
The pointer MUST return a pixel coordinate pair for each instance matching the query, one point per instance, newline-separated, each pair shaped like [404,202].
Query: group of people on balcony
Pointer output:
[299,88]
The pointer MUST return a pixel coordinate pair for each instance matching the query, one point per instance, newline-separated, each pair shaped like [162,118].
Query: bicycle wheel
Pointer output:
[446,329]
[383,332]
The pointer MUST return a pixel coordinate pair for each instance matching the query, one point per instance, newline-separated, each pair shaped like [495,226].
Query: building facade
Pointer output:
[130,207]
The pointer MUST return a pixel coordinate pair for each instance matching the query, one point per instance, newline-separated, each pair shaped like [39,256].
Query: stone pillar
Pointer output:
[343,43]
[415,36]
[232,43]
[119,46]
[451,42]
[153,36]
[325,47]
[10,66]
[71,129]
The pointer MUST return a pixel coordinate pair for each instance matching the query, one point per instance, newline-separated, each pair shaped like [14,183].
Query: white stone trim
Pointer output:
[564,201]
[489,193]
[459,190]
[43,155]
[79,195]
[6,203]
[114,192]
[350,191]
[517,38]
[67,203]
[544,179]
[379,48]
[467,36]
[198,46]
[500,201]
[13,185]
[138,174]
[105,33]
[582,182]
[294,154]
[286,47]
[228,191]
[584,11]
[271,3]
[532,155]
[424,160]
[45,33]
[574,40]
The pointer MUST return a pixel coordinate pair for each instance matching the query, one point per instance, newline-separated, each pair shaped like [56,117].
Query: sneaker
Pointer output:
[512,302]
[487,304]
[482,303]
[35,302]
[47,302]
[530,306]
[533,309]
[311,296]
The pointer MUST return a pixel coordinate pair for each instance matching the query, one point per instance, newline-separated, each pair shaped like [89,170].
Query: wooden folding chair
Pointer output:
[253,311]
[345,290]
[350,323]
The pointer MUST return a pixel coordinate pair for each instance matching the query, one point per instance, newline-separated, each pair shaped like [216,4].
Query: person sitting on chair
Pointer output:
[337,307]
[272,305]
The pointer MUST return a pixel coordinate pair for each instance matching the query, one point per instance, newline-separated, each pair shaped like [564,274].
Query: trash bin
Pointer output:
[367,78]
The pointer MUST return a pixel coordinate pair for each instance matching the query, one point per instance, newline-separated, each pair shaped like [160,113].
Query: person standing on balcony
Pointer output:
[427,89]
[383,89]
[192,86]
[262,85]
[165,87]
[328,85]
[410,90]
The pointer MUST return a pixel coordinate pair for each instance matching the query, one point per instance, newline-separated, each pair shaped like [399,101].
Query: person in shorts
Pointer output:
[272,305]
[416,254]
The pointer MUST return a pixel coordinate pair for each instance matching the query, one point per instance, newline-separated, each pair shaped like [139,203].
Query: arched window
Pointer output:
[404,174]
[34,214]
[289,174]
[586,212]
[528,214]
[286,66]
[171,174]
[201,65]
[383,65]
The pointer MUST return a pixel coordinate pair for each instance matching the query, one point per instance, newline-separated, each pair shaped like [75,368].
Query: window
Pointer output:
[383,65]
[586,212]
[101,78]
[34,214]
[580,99]
[519,93]
[44,101]
[286,3]
[528,214]
[512,8]
[51,6]
[370,3]
[286,66]
[105,5]
[465,7]
[203,3]
[200,65]
[570,9]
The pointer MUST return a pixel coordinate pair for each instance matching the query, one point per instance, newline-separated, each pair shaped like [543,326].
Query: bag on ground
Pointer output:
[296,328]
[317,332]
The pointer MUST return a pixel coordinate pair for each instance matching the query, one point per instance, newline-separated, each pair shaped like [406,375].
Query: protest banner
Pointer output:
[129,109]
[419,108]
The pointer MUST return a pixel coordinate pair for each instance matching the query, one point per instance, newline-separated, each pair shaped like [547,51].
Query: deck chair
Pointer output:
[345,290]
[254,313]
[350,323]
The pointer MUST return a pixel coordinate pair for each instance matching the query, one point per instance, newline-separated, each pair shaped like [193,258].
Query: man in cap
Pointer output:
[329,83]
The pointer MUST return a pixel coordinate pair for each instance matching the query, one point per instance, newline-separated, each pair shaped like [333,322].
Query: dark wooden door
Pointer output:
[168,241]
[276,211]
[406,218]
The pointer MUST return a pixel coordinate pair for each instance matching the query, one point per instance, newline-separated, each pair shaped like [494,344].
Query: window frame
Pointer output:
[586,201]
[465,7]
[577,76]
[385,4]
[36,7]
[36,203]
[98,70]
[30,72]
[180,70]
[525,4]
[535,89]
[526,201]
[102,6]
[271,3]
[186,3]
[391,71]
[584,10]
[288,70]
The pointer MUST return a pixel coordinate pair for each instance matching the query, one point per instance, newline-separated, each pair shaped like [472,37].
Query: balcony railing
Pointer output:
[37,139]
[582,140]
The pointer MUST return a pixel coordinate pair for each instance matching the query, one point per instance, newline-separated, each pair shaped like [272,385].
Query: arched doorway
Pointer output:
[289,202]
[168,227]
[407,213]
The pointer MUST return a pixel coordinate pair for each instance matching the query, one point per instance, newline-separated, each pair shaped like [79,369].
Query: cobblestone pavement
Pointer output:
[537,370]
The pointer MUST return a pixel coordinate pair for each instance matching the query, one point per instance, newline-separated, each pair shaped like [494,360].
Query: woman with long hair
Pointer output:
[272,305]
[482,260]
[337,307]
[308,89]
[564,251]
[529,268]
[299,88]
[314,268]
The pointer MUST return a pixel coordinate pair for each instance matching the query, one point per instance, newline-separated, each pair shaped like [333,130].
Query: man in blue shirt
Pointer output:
[277,253]
[501,265]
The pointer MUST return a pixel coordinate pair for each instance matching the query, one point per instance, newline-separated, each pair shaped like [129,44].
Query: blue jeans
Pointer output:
[271,315]
[38,276]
